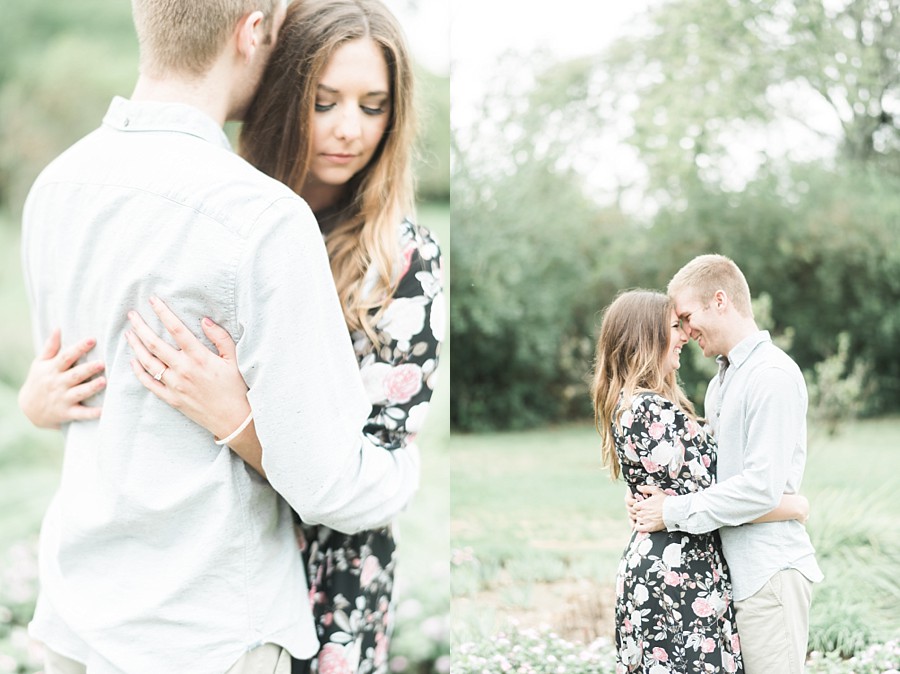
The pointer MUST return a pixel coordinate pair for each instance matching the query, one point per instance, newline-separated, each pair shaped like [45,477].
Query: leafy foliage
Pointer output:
[765,131]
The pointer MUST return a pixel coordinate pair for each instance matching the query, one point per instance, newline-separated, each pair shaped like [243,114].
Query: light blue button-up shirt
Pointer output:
[758,416]
[162,551]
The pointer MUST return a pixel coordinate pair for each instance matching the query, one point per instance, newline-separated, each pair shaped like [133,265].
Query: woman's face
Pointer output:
[677,339]
[353,107]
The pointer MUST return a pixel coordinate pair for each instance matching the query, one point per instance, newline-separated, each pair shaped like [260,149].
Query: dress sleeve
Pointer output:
[400,372]
[653,448]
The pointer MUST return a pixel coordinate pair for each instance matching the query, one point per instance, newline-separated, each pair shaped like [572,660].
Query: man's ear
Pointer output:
[249,35]
[721,299]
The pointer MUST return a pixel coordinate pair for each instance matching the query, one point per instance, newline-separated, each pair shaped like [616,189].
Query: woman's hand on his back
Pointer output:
[204,386]
[56,387]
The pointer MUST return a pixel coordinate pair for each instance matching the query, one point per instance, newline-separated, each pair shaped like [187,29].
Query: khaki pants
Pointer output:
[774,625]
[267,659]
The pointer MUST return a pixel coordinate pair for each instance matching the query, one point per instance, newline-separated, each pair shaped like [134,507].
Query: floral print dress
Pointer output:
[351,577]
[674,611]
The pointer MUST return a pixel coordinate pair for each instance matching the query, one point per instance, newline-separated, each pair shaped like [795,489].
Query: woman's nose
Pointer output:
[348,127]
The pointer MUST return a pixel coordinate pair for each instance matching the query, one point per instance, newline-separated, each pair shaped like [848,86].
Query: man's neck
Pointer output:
[740,330]
[203,93]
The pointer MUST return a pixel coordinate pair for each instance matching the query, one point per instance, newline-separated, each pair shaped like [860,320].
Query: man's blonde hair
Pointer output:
[185,36]
[706,274]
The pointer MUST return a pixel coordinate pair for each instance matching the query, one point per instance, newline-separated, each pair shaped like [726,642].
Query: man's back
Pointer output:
[159,547]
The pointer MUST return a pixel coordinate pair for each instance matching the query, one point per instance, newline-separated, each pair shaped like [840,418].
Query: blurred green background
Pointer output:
[768,131]
[60,64]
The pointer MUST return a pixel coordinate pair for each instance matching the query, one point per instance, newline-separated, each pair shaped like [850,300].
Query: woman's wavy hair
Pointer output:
[276,139]
[633,342]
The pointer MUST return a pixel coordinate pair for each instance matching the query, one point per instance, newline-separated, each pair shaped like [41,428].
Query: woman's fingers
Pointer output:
[151,343]
[70,355]
[83,372]
[156,387]
[51,346]
[183,337]
[147,360]
[220,338]
[84,413]
[80,393]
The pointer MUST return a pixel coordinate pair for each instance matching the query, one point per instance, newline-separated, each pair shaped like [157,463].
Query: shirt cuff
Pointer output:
[676,510]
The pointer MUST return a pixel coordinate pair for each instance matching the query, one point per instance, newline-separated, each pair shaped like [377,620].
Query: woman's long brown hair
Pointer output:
[276,139]
[633,342]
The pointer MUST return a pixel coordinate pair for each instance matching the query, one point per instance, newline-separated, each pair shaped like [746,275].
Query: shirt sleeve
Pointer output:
[400,371]
[773,408]
[308,401]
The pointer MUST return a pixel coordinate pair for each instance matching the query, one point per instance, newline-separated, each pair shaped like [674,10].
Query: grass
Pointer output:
[533,512]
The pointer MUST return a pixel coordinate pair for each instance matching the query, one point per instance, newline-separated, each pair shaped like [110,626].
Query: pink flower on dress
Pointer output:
[693,429]
[648,465]
[736,643]
[332,660]
[673,578]
[370,570]
[327,619]
[660,654]
[407,259]
[403,382]
[702,608]
[627,625]
[708,645]
[656,430]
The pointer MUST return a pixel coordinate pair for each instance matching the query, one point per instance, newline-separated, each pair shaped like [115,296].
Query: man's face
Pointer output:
[699,321]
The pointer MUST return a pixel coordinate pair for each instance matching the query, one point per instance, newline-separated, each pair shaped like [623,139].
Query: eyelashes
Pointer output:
[372,112]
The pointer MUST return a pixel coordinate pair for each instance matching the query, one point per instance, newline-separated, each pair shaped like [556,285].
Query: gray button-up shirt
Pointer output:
[162,551]
[758,415]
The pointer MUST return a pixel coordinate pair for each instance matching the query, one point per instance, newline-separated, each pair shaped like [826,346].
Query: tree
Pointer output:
[715,88]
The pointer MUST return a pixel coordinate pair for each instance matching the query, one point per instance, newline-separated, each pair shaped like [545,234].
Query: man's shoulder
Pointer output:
[771,366]
[769,354]
[179,170]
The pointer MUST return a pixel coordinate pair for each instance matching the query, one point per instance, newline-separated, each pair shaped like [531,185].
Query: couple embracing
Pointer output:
[718,573]
[233,511]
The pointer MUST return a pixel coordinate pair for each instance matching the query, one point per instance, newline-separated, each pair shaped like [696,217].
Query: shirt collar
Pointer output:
[742,350]
[126,115]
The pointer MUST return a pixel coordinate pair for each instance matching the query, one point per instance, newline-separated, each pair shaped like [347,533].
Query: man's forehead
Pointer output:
[685,301]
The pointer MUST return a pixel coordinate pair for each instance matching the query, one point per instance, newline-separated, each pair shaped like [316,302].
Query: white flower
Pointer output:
[667,416]
[641,594]
[373,376]
[403,319]
[718,604]
[663,453]
[630,653]
[438,319]
[431,284]
[644,546]
[671,556]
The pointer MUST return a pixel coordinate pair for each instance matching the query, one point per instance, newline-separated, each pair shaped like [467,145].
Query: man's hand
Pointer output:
[648,513]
